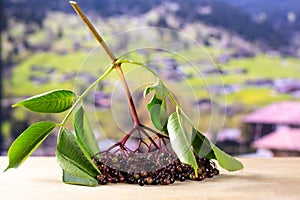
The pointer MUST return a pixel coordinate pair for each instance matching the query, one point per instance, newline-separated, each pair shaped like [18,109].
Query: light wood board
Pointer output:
[268,178]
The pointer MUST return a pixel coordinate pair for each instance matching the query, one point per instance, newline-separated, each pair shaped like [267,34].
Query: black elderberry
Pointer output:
[178,168]
[119,168]
[130,180]
[172,180]
[100,177]
[216,171]
[109,179]
[184,167]
[155,182]
[200,177]
[103,182]
[181,178]
[114,180]
[176,176]
[141,182]
[143,174]
[209,174]
[166,181]
[172,170]
[105,170]
[202,168]
[121,178]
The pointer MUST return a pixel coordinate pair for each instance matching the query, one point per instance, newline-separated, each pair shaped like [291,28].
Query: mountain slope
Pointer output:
[283,15]
[230,18]
[232,15]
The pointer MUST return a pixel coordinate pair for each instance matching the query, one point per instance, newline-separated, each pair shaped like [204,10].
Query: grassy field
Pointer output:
[249,97]
[264,66]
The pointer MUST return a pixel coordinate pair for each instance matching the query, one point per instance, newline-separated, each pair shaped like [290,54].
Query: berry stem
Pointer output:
[150,138]
[155,132]
[127,136]
[112,57]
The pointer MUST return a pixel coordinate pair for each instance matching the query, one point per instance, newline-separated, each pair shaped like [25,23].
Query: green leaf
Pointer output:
[225,160]
[204,148]
[147,91]
[72,158]
[161,91]
[85,179]
[157,106]
[84,133]
[50,102]
[179,141]
[201,145]
[28,142]
[158,113]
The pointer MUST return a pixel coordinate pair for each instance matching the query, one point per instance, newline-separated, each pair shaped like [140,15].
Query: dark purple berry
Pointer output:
[116,173]
[100,177]
[166,181]
[114,180]
[172,180]
[109,179]
[209,174]
[141,182]
[181,177]
[130,180]
[176,176]
[178,168]
[216,171]
[163,168]
[121,178]
[143,174]
[155,182]
[103,182]
[200,177]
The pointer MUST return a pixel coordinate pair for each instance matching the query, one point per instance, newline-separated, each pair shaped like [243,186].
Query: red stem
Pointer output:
[127,136]
[128,94]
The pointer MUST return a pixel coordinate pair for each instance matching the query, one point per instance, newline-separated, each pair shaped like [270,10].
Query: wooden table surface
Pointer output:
[264,178]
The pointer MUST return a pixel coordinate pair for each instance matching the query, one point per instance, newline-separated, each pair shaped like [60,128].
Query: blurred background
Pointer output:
[254,44]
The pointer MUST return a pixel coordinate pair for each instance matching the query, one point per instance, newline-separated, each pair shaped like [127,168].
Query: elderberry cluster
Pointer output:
[151,169]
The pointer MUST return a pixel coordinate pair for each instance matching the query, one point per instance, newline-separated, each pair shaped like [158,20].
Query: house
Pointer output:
[271,124]
[282,142]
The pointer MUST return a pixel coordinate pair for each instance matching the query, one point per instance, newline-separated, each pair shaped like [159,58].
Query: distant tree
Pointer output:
[1,67]
[60,33]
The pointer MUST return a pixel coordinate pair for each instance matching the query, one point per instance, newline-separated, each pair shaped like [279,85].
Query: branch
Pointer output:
[112,57]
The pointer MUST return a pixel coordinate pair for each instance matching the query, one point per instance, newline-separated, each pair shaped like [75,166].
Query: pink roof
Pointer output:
[282,139]
[286,112]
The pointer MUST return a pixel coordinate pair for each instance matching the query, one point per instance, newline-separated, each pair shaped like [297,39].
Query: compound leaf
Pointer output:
[179,142]
[72,158]
[28,142]
[50,102]
[205,148]
[84,133]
